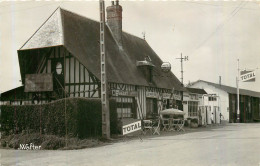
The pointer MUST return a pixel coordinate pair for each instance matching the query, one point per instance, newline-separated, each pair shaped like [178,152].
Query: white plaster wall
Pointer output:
[185,106]
[223,101]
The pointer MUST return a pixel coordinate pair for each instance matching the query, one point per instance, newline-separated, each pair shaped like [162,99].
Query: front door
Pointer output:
[151,108]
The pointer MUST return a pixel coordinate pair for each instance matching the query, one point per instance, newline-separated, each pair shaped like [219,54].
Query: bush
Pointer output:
[194,123]
[83,117]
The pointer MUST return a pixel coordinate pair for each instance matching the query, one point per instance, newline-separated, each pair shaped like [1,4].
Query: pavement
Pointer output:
[230,144]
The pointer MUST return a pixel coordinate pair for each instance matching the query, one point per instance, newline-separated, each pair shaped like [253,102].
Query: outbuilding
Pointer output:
[225,98]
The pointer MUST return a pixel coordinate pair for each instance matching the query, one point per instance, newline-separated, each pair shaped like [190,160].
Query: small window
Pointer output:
[59,68]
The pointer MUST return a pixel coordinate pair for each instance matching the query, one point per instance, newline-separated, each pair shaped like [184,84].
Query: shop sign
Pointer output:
[132,127]
[176,97]
[38,82]
[152,94]
[123,93]
[247,76]
[166,95]
[166,67]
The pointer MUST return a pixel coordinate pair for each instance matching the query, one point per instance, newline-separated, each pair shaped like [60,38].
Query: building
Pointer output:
[223,99]
[64,53]
[192,101]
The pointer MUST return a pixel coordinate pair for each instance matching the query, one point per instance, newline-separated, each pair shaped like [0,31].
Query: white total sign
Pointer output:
[132,127]
[248,76]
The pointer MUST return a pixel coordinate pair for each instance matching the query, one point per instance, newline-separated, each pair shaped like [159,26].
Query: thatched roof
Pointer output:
[80,36]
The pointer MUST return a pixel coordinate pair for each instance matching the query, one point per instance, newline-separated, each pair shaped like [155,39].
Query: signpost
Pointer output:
[132,127]
[245,76]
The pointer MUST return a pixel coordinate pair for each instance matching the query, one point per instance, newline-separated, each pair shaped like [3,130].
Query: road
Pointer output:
[233,144]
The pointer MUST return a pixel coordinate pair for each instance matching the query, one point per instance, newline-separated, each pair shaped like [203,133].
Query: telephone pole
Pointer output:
[104,92]
[238,110]
[186,58]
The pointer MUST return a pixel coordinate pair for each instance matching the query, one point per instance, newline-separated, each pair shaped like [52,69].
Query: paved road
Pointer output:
[234,144]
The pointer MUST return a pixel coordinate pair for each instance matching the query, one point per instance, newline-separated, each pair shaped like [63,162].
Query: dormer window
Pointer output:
[146,67]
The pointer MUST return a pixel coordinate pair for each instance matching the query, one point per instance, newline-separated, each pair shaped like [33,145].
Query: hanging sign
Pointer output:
[166,67]
[132,127]
[247,76]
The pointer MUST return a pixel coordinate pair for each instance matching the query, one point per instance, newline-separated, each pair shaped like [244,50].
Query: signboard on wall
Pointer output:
[152,94]
[166,95]
[247,76]
[176,97]
[38,82]
[123,93]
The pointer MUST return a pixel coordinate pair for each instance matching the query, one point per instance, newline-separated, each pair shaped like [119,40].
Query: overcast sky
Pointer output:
[213,34]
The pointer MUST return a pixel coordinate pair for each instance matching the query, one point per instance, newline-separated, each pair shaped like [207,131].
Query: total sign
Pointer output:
[247,76]
[132,127]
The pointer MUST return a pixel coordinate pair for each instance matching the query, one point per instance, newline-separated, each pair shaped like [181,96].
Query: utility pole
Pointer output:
[104,94]
[186,58]
[238,110]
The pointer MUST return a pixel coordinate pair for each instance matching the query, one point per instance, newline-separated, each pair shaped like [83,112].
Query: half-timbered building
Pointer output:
[66,48]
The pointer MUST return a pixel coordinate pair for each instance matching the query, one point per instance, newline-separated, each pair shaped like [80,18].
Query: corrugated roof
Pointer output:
[80,36]
[232,90]
[196,90]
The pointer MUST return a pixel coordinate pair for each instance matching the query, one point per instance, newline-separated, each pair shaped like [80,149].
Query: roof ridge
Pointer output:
[66,10]
[228,86]
[128,33]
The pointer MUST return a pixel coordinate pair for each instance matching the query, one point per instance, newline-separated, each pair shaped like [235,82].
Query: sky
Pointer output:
[212,34]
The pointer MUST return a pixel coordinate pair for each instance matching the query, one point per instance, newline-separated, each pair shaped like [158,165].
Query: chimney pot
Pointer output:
[114,21]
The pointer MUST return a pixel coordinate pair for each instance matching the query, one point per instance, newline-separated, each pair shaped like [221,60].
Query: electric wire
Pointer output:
[221,25]
[215,5]
[14,11]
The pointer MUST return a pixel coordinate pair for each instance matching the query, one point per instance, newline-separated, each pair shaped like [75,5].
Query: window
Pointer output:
[194,96]
[192,108]
[212,98]
[125,107]
[58,68]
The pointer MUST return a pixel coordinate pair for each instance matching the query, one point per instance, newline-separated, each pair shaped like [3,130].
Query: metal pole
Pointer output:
[238,111]
[181,58]
[181,70]
[104,94]
[182,82]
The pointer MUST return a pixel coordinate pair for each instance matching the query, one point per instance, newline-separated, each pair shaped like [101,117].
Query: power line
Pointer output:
[15,3]
[31,8]
[232,14]
[215,5]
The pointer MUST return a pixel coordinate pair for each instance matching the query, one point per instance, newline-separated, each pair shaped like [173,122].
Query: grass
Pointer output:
[48,142]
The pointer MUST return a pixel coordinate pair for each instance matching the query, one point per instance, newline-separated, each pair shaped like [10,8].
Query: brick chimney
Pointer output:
[114,21]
